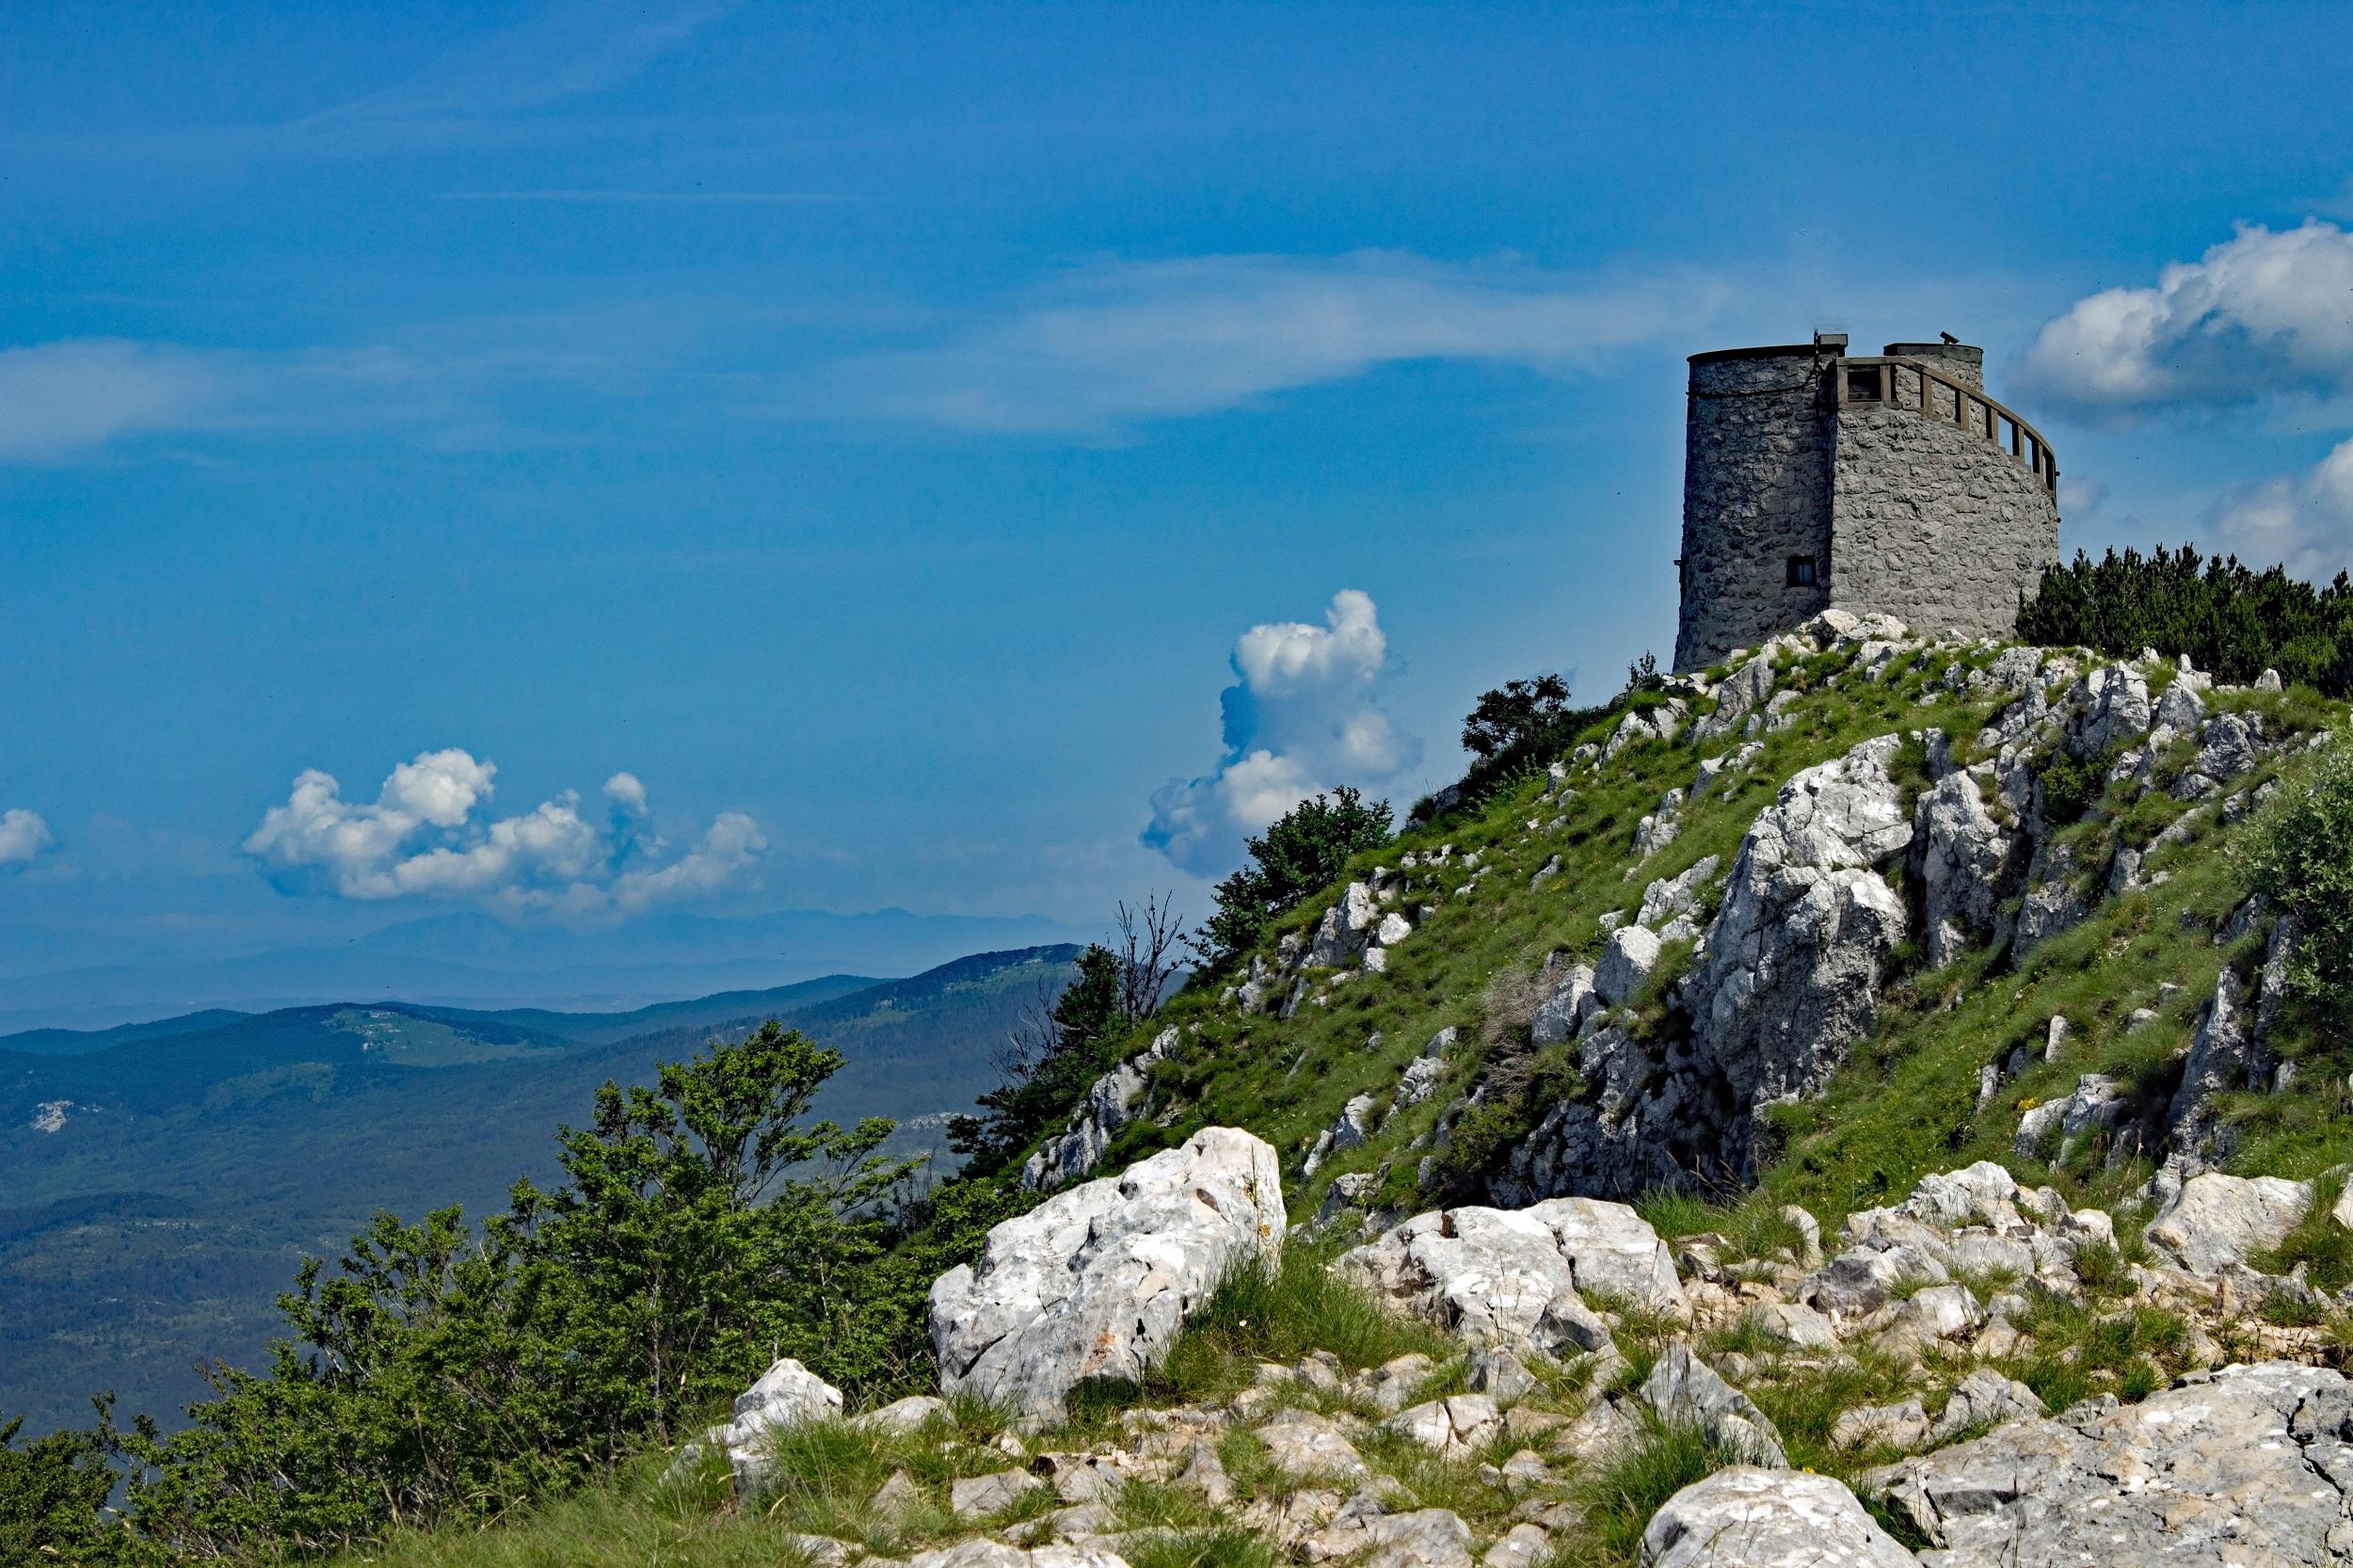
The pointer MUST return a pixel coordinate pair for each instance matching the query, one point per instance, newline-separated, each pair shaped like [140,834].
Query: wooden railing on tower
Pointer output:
[1893,382]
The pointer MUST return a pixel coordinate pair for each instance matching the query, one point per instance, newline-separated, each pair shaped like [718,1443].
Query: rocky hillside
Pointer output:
[1852,1110]
[1836,915]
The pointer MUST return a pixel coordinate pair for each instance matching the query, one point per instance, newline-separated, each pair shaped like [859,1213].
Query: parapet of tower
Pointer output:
[1890,482]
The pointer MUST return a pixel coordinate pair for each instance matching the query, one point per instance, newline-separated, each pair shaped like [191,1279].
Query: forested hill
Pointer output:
[161,1188]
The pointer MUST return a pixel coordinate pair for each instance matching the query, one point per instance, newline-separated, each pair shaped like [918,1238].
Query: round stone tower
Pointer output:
[1812,480]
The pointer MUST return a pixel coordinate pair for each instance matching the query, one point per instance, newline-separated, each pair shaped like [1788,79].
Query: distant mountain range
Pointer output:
[475,960]
[160,1182]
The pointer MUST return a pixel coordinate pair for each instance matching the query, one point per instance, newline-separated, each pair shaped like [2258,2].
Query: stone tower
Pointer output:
[1811,480]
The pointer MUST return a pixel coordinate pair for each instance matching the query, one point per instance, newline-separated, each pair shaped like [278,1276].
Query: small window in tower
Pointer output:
[1801,572]
[1863,383]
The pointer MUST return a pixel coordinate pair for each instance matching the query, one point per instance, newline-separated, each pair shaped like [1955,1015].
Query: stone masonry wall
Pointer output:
[1756,487]
[1935,525]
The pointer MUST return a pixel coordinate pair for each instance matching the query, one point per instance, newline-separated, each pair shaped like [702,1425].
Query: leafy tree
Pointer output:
[51,1493]
[1515,711]
[1301,853]
[1049,1065]
[438,1372]
[1520,725]
[2300,856]
[2231,620]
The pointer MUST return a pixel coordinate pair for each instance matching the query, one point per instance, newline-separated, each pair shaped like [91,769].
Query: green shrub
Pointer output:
[2070,785]
[1302,853]
[2299,854]
[440,1372]
[2232,621]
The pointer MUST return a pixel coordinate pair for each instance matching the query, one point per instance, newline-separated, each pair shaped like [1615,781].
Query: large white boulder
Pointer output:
[2216,1220]
[1096,1282]
[1513,1276]
[787,1395]
[1745,1517]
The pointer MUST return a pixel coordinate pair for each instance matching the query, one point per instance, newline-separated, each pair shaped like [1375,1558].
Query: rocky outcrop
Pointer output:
[1516,1277]
[787,1395]
[1973,1221]
[1966,858]
[2110,707]
[1345,930]
[2224,1054]
[2098,1104]
[2216,1220]
[1741,693]
[2247,1465]
[1791,963]
[1649,723]
[1110,1104]
[1096,1281]
[1745,1517]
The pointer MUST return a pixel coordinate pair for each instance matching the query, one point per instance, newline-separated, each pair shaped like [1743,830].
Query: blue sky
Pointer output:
[734,458]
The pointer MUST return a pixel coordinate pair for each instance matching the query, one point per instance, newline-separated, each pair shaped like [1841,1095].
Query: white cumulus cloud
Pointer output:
[428,834]
[22,835]
[2262,313]
[1114,345]
[2304,524]
[1300,718]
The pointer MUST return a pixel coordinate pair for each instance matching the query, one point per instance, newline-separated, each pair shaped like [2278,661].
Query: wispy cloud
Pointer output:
[59,399]
[1300,717]
[2261,315]
[1129,342]
[690,198]
[567,51]
[427,834]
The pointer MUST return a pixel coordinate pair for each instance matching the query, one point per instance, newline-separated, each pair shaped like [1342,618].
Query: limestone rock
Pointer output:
[1110,1104]
[1653,723]
[2242,1466]
[1902,1425]
[1675,895]
[787,1395]
[1985,1398]
[977,1496]
[1746,1517]
[2216,1219]
[1627,961]
[1512,1277]
[903,1416]
[1521,1546]
[1096,1281]
[1345,931]
[1683,1391]
[1561,1015]
[2110,707]
[1427,1538]
[1452,1425]
[1791,963]
[1740,693]
[1500,1375]
[1965,862]
[1352,1130]
[2223,1055]
[981,1552]
[1303,1444]
[2097,1104]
